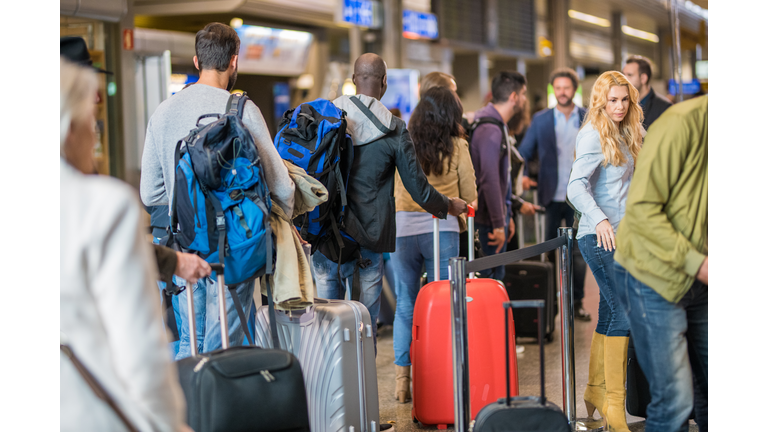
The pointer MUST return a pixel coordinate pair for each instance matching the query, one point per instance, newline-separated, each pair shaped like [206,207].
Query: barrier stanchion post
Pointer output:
[565,267]
[460,348]
[471,236]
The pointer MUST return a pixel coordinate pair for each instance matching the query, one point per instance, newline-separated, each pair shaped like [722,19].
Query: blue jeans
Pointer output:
[207,324]
[330,287]
[611,319]
[412,252]
[483,231]
[173,346]
[671,341]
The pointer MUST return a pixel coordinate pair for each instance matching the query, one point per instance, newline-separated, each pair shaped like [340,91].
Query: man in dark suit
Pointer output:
[552,135]
[638,72]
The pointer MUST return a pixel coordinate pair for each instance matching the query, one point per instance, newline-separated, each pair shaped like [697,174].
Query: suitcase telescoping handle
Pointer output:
[223,319]
[219,270]
[520,304]
[436,241]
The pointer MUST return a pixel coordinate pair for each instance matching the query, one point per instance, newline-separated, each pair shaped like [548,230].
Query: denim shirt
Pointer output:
[565,134]
[598,192]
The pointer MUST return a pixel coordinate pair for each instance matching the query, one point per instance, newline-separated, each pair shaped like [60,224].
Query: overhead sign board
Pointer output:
[419,25]
[271,51]
[689,87]
[363,13]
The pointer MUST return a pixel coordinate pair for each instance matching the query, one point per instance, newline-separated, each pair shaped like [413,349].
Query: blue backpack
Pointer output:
[313,136]
[221,204]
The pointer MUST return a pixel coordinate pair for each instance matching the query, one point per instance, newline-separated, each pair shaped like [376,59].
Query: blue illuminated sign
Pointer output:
[417,25]
[689,88]
[358,12]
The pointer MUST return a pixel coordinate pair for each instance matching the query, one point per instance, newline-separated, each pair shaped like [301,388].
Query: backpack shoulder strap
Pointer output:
[236,104]
[489,120]
[371,116]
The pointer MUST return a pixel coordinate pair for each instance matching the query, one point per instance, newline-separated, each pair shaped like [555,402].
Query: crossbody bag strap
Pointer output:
[96,386]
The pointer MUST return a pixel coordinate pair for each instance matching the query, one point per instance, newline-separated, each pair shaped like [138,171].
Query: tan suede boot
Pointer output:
[403,383]
[594,395]
[615,376]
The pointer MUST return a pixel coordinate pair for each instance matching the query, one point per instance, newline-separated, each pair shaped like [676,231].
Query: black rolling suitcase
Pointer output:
[245,388]
[523,413]
[532,280]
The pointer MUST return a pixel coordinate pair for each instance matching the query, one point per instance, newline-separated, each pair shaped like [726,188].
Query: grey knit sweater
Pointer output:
[173,120]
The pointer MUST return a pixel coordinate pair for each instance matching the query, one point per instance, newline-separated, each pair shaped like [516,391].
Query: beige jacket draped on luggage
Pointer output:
[293,287]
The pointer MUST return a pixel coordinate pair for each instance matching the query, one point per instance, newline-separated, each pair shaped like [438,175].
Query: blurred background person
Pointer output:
[109,314]
[443,153]
[437,79]
[638,72]
[552,137]
[606,149]
[517,126]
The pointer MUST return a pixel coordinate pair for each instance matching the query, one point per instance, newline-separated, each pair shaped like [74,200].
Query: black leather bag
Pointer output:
[244,388]
[523,413]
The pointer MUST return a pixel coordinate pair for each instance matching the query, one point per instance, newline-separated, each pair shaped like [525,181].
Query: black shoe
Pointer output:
[384,426]
[580,313]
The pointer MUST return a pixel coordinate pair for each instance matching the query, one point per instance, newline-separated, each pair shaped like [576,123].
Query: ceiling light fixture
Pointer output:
[602,22]
[640,34]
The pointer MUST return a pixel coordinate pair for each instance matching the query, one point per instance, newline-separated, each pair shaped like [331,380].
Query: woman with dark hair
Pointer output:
[443,152]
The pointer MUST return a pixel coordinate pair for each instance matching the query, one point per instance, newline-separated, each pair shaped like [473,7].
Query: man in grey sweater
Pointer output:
[216,49]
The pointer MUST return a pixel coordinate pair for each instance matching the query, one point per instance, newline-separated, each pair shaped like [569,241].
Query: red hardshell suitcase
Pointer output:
[431,358]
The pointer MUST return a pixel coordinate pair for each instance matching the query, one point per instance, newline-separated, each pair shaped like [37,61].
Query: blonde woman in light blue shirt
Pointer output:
[606,149]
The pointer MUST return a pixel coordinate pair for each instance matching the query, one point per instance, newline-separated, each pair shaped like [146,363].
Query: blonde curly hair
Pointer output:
[629,130]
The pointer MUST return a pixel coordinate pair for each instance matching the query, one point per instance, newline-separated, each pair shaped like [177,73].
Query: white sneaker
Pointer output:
[520,349]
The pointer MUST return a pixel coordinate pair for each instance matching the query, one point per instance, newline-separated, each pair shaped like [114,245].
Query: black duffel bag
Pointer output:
[244,388]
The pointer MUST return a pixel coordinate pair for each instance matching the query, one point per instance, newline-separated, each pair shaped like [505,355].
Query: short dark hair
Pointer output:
[565,73]
[215,45]
[643,65]
[504,84]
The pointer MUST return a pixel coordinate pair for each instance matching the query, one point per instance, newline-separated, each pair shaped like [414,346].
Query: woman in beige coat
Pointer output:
[110,310]
[443,153]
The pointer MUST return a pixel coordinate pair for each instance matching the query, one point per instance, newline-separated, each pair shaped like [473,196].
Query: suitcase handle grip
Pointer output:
[520,304]
[218,268]
[436,241]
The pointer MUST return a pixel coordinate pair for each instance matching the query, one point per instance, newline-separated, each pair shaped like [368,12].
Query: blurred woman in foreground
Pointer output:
[109,311]
[606,149]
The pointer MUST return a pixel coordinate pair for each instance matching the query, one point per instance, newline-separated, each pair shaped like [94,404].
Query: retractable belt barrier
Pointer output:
[459,266]
[510,257]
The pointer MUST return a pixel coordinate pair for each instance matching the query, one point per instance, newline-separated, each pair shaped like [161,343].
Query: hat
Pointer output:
[74,49]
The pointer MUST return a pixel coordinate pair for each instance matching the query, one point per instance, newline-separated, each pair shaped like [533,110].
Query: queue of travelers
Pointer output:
[629,192]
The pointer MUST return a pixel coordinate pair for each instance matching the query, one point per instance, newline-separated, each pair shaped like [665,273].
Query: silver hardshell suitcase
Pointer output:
[333,340]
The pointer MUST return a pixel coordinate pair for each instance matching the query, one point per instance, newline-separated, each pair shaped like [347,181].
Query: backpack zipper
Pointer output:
[200,364]
[267,376]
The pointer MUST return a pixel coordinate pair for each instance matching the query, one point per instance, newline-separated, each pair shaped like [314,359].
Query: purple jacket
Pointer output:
[491,170]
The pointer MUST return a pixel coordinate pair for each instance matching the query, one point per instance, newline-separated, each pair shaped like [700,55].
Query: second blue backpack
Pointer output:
[313,136]
[220,208]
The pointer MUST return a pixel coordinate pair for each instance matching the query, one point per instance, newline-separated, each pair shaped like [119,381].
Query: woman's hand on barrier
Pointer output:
[191,267]
[496,238]
[605,238]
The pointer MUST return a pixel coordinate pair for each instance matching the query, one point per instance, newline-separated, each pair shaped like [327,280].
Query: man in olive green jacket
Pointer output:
[662,267]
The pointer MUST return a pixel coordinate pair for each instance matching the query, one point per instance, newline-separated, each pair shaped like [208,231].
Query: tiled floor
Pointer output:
[528,370]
